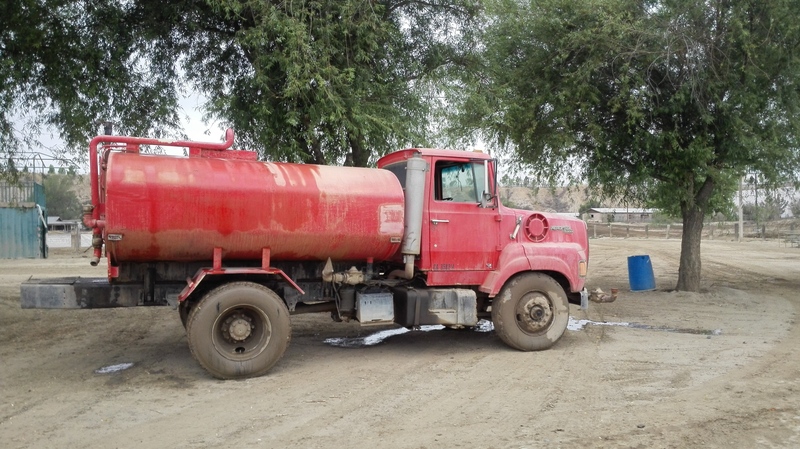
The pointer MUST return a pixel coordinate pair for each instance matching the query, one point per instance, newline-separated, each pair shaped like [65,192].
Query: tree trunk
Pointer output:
[690,265]
[313,151]
[689,271]
[359,157]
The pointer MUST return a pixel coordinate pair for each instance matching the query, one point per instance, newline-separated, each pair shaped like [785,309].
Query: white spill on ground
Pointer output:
[577,325]
[113,368]
[377,337]
[487,326]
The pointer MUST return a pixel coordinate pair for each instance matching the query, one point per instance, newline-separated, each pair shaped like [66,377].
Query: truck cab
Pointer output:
[469,238]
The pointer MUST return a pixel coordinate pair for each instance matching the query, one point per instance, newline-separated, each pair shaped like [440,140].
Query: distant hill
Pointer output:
[544,199]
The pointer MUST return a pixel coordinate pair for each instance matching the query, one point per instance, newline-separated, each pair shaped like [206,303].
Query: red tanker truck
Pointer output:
[238,245]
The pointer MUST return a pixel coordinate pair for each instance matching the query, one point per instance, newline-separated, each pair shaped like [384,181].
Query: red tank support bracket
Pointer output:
[192,283]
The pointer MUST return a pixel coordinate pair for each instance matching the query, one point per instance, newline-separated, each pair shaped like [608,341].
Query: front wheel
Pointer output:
[238,330]
[531,312]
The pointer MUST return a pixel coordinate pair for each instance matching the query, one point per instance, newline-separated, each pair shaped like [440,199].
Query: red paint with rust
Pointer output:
[166,208]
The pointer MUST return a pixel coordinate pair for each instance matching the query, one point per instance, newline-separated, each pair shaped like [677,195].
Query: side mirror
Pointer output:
[487,198]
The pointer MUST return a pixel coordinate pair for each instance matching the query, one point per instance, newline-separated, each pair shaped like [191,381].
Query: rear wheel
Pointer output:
[238,330]
[531,312]
[184,309]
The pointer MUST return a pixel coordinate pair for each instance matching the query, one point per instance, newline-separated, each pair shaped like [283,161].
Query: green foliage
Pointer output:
[794,206]
[731,214]
[324,81]
[662,218]
[662,102]
[774,205]
[655,98]
[59,190]
[70,65]
[769,209]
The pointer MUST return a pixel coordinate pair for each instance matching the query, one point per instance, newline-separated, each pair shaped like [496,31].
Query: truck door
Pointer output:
[463,235]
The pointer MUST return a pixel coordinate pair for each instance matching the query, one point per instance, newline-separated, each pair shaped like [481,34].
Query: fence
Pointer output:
[24,193]
[780,230]
[713,230]
[57,239]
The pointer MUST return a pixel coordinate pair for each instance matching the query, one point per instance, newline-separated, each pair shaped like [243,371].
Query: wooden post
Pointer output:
[667,237]
[647,231]
[75,234]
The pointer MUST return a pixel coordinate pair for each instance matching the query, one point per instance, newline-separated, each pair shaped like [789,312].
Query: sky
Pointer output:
[191,121]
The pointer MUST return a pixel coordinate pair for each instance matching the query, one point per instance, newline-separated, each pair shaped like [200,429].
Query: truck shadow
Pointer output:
[434,337]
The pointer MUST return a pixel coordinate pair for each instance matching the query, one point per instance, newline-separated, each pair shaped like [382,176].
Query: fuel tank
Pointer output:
[166,208]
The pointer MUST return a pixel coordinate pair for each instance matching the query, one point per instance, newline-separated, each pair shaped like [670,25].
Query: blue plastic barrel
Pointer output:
[640,274]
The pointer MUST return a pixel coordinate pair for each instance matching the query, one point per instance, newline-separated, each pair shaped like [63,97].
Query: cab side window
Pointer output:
[399,170]
[456,181]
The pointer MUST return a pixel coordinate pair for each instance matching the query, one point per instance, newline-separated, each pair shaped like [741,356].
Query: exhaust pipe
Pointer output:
[414,201]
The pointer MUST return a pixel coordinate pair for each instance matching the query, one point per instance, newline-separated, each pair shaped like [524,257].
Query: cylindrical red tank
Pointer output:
[164,208]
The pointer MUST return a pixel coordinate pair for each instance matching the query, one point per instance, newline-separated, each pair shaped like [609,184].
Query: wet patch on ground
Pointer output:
[576,325]
[379,337]
[487,326]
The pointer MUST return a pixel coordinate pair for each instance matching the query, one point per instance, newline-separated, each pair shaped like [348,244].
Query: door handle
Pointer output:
[435,221]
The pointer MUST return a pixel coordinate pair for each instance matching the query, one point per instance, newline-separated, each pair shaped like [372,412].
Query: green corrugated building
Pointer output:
[23,227]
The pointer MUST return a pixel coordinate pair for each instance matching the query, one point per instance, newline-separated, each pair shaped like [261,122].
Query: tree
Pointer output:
[774,206]
[315,81]
[62,201]
[668,102]
[71,64]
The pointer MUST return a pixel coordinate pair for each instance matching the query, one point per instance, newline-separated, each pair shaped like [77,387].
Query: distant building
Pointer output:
[57,224]
[619,215]
[569,214]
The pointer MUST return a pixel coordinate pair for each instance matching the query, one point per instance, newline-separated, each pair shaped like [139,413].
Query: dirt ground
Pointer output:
[718,369]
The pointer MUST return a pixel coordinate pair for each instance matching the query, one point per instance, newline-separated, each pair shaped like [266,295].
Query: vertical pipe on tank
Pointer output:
[415,198]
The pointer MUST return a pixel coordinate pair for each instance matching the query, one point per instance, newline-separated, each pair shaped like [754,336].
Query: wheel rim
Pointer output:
[241,333]
[534,313]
